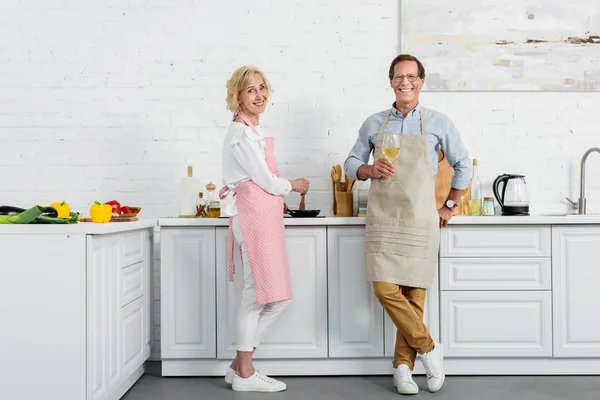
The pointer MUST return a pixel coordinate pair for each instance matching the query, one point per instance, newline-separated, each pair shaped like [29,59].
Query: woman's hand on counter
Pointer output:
[300,185]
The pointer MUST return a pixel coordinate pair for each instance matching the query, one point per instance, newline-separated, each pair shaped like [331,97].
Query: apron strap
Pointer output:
[230,248]
[379,139]
[246,120]
[224,192]
[424,132]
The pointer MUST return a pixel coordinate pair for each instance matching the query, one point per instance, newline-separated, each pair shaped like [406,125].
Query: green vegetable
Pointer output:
[25,217]
[72,219]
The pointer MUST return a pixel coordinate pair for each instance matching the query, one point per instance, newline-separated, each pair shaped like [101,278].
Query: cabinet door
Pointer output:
[575,283]
[355,314]
[132,336]
[103,369]
[497,324]
[113,248]
[301,332]
[431,317]
[149,298]
[188,293]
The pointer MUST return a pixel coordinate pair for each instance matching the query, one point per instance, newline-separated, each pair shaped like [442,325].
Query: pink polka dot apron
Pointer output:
[260,215]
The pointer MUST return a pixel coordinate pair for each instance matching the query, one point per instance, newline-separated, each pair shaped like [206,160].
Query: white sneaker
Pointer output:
[229,375]
[434,366]
[258,382]
[403,380]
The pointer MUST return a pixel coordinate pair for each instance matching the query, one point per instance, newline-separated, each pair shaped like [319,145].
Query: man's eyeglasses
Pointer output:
[400,78]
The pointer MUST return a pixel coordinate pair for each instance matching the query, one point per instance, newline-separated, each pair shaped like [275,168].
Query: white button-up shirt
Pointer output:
[244,159]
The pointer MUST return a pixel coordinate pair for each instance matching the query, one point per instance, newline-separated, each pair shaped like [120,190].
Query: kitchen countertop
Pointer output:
[89,228]
[81,228]
[571,219]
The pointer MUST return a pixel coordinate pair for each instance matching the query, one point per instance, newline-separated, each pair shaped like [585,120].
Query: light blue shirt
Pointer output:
[441,132]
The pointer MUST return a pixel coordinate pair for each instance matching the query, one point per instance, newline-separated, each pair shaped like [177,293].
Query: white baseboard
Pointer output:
[120,391]
[383,366]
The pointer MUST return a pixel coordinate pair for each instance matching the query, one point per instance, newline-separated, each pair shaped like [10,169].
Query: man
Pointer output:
[402,230]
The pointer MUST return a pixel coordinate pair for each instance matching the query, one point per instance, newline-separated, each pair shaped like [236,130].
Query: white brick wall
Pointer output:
[112,99]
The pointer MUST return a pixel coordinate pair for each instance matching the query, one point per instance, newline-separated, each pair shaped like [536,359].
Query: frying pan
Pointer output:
[301,212]
[304,213]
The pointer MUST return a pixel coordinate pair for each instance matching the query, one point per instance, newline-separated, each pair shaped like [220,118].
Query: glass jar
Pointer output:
[363,200]
[488,206]
[202,207]
[212,201]
[214,209]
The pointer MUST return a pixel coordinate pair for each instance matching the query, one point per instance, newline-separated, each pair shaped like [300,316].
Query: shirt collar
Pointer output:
[412,113]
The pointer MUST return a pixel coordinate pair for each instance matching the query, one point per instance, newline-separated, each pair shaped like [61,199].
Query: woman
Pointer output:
[256,223]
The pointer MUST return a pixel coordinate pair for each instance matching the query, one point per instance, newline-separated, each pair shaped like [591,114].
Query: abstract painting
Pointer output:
[504,45]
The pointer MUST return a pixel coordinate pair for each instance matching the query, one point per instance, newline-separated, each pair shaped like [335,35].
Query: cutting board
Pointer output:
[121,218]
[443,180]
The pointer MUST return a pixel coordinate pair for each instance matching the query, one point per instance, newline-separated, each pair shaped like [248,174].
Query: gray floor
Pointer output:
[153,387]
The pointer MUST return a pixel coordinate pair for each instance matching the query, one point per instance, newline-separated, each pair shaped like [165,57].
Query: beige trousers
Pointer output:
[405,305]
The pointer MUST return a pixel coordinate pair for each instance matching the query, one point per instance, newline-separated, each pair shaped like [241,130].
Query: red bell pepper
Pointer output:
[116,207]
[126,210]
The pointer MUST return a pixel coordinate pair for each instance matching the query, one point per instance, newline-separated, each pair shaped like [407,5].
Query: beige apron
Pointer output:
[402,230]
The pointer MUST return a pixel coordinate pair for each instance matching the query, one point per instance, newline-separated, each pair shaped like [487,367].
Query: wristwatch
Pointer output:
[450,203]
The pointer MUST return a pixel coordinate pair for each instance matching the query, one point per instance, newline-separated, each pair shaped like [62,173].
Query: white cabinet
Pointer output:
[119,317]
[496,291]
[188,307]
[301,332]
[355,314]
[431,318]
[576,290]
[497,323]
[43,318]
[495,240]
[358,324]
[74,306]
[508,299]
[514,273]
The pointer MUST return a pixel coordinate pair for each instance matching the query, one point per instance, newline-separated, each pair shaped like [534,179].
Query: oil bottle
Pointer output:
[475,202]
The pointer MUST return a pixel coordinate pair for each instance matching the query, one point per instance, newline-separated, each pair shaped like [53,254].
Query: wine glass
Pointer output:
[390,148]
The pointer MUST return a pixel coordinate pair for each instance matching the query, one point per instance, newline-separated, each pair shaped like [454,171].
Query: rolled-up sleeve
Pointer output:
[457,155]
[257,169]
[360,153]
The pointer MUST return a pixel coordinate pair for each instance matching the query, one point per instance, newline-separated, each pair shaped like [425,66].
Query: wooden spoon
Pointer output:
[338,169]
[336,179]
[350,183]
[302,205]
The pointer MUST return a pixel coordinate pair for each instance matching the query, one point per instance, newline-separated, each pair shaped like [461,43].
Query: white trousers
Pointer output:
[253,319]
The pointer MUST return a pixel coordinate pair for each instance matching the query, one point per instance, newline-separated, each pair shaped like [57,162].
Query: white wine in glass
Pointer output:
[390,148]
[391,153]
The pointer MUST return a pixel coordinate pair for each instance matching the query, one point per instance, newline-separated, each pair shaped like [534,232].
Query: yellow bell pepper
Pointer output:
[100,213]
[64,209]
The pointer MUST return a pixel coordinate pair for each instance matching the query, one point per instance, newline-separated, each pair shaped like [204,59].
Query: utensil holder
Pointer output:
[344,204]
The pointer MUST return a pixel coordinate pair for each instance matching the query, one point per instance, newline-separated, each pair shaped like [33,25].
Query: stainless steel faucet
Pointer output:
[581,204]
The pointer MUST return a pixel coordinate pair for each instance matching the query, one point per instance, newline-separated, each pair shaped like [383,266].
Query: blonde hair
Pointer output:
[240,80]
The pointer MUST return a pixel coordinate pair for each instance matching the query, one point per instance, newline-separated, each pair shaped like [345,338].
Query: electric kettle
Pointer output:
[512,197]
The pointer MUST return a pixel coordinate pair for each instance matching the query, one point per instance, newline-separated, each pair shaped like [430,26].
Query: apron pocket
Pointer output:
[408,238]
